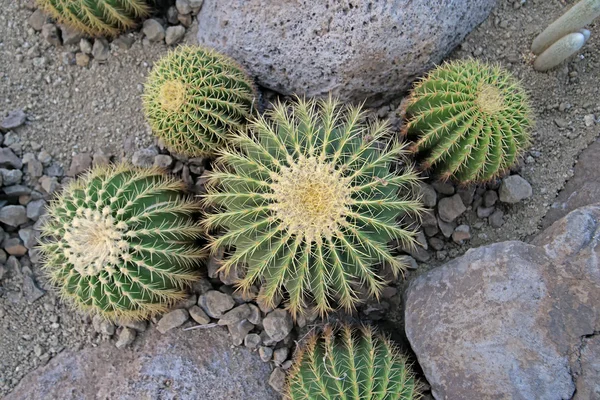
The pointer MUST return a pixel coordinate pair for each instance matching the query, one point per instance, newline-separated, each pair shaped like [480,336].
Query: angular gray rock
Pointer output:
[278,324]
[79,164]
[13,215]
[450,208]
[357,50]
[8,159]
[514,189]
[200,364]
[153,30]
[174,34]
[172,320]
[215,303]
[13,120]
[512,320]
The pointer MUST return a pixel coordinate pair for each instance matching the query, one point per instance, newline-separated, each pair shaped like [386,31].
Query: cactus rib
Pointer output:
[470,121]
[350,364]
[119,242]
[194,97]
[97,17]
[309,204]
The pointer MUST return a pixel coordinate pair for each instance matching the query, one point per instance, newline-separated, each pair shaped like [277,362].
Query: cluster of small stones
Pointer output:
[78,49]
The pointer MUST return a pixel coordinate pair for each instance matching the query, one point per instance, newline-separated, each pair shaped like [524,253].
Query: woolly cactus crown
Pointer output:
[309,203]
[195,97]
[470,120]
[350,364]
[120,242]
[97,17]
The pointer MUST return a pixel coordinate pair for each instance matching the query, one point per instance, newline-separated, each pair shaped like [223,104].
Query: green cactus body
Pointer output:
[120,242]
[310,203]
[578,16]
[194,97]
[97,17]
[350,364]
[470,121]
[559,51]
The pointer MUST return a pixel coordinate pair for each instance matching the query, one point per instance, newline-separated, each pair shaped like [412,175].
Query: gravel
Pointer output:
[278,324]
[172,320]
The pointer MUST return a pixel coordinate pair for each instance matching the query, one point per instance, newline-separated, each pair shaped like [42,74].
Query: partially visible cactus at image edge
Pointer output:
[578,16]
[120,242]
[308,199]
[194,97]
[97,17]
[469,121]
[559,51]
[350,364]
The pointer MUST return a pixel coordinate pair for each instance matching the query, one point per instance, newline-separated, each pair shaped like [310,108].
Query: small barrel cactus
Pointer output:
[562,49]
[352,364]
[578,16]
[120,242]
[309,201]
[471,120]
[97,17]
[194,97]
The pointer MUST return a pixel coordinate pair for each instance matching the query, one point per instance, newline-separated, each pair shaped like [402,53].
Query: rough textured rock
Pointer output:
[357,50]
[197,365]
[510,320]
[582,189]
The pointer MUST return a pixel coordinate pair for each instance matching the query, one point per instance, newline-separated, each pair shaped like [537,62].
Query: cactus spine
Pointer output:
[350,364]
[120,242]
[97,17]
[195,97]
[310,204]
[559,51]
[470,121]
[578,16]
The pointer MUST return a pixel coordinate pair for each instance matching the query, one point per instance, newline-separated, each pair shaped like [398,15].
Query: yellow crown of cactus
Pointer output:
[120,242]
[309,202]
[97,17]
[470,120]
[194,97]
[350,364]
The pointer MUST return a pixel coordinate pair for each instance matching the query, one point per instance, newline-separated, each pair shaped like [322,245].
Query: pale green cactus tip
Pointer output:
[577,17]
[121,242]
[559,51]
[195,97]
[469,121]
[352,364]
[97,17]
[308,201]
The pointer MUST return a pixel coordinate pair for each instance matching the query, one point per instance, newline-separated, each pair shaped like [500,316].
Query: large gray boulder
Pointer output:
[198,364]
[359,50]
[513,320]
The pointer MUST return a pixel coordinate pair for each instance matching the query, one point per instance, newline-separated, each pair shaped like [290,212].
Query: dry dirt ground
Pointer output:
[73,109]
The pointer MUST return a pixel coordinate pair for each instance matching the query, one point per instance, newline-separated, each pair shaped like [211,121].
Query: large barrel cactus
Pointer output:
[470,120]
[120,242]
[97,17]
[195,97]
[309,198]
[350,364]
